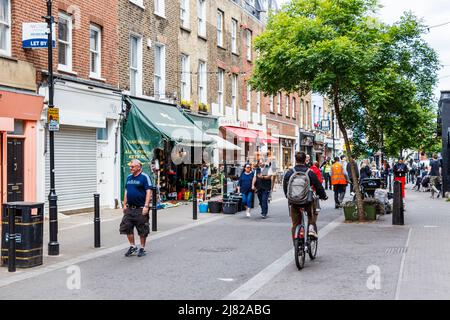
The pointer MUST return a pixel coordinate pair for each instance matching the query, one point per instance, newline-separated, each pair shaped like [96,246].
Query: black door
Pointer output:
[15,171]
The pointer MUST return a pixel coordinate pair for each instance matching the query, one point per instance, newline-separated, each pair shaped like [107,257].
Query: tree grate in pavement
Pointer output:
[396,250]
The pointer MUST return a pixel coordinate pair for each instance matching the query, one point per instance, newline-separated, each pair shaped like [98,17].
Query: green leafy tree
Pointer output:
[367,69]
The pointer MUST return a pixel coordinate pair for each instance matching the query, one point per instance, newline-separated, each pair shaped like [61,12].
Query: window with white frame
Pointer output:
[279,103]
[271,103]
[220,80]
[294,107]
[160,9]
[249,102]
[160,71]
[184,13]
[135,65]
[234,30]
[185,78]
[258,106]
[249,45]
[201,14]
[202,82]
[65,42]
[95,51]
[219,28]
[234,88]
[5,27]
[286,109]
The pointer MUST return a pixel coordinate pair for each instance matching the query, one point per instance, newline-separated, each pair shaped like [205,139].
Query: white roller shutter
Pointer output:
[75,168]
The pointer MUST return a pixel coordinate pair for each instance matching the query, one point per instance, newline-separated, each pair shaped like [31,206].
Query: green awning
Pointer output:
[171,122]
[208,124]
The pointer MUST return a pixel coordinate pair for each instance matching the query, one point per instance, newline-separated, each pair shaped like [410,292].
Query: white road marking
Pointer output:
[34,273]
[258,281]
[226,279]
[402,265]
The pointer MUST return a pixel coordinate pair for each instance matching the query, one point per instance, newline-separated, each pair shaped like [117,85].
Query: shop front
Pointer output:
[283,152]
[172,148]
[86,150]
[19,113]
[319,153]
[307,142]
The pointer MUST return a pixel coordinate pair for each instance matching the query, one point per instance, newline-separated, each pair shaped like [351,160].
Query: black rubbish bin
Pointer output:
[29,218]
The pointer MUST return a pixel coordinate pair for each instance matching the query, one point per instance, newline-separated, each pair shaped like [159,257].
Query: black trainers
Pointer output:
[141,252]
[131,251]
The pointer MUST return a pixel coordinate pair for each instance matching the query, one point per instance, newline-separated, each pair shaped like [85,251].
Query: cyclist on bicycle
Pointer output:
[300,158]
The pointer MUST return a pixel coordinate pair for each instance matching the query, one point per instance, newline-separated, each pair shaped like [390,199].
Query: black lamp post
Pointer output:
[53,245]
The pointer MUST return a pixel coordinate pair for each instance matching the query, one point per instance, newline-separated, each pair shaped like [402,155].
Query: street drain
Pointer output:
[216,250]
[396,250]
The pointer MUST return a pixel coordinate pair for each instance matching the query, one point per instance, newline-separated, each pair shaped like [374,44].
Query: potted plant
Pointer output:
[203,107]
[185,104]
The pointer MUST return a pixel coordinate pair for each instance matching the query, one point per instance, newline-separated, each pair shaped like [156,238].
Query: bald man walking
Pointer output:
[136,205]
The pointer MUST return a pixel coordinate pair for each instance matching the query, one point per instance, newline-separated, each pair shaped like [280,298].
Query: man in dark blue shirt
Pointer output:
[136,207]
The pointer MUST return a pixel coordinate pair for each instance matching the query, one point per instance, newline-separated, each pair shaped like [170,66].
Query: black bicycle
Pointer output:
[303,242]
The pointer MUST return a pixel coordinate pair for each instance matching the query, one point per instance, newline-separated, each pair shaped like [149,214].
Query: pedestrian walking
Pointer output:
[339,182]
[136,205]
[326,169]
[435,176]
[400,170]
[246,186]
[263,186]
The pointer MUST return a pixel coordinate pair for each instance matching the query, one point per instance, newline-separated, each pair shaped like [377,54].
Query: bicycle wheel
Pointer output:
[312,246]
[299,253]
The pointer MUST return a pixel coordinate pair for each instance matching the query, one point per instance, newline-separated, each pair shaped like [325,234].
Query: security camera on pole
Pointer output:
[53,245]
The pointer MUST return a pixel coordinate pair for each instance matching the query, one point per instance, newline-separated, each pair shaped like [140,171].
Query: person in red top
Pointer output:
[315,168]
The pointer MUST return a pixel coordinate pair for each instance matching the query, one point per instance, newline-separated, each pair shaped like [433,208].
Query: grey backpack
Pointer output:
[298,188]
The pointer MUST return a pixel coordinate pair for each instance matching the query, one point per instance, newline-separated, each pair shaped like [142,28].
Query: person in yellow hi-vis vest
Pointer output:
[338,181]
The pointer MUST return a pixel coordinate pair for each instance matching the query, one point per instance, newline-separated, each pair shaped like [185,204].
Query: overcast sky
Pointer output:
[433,12]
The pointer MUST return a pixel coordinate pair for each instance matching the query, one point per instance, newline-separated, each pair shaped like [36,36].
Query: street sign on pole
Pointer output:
[53,119]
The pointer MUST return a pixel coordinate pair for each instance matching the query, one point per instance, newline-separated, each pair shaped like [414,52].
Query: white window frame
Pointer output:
[184,14]
[286,106]
[293,107]
[220,27]
[7,50]
[234,93]
[66,67]
[185,78]
[249,102]
[220,90]
[279,103]
[160,8]
[160,77]
[249,44]
[258,106]
[234,29]
[300,112]
[97,73]
[138,68]
[201,17]
[202,90]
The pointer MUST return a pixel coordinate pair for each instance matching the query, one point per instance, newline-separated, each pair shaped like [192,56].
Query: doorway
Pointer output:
[15,170]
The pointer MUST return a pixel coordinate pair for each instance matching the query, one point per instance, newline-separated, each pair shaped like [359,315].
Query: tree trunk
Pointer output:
[359,199]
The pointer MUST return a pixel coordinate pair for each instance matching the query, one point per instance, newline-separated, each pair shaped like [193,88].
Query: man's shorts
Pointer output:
[134,218]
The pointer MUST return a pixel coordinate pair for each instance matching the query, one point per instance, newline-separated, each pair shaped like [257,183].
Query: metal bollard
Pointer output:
[97,220]
[398,210]
[194,201]
[154,209]
[12,239]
